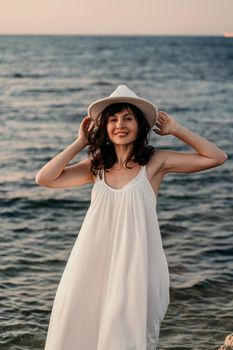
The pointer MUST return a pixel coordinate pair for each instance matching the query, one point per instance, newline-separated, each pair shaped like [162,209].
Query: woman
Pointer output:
[114,291]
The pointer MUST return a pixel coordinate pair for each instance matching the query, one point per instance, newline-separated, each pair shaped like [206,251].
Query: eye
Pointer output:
[111,119]
[128,117]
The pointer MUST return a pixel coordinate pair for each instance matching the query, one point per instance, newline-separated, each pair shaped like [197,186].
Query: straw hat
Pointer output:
[124,94]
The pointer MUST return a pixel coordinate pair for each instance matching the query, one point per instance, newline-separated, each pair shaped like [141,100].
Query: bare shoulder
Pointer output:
[86,165]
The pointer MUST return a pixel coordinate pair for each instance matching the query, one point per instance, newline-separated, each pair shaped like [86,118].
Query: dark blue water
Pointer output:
[46,85]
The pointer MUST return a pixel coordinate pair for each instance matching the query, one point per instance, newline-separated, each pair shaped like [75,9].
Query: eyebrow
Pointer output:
[113,115]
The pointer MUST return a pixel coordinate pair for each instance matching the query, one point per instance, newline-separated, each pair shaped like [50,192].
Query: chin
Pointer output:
[124,142]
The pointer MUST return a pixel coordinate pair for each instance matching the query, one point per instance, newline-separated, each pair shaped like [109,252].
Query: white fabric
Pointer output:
[114,291]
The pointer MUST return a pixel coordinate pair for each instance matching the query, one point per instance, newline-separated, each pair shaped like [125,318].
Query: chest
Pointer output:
[118,180]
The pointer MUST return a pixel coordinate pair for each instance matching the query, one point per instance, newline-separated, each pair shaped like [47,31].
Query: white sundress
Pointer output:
[114,291]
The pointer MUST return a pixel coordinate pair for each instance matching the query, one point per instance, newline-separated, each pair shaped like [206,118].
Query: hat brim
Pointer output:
[149,110]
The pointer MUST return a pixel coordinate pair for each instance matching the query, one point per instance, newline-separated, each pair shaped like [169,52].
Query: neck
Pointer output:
[122,152]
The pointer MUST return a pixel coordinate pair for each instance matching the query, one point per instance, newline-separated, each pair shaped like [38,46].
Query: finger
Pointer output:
[87,123]
[84,124]
[162,117]
[158,124]
[161,120]
[91,128]
[86,120]
[157,131]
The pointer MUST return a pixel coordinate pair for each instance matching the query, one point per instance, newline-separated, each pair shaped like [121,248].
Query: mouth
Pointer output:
[121,133]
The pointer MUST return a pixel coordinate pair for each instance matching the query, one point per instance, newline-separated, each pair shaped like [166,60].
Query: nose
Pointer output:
[120,123]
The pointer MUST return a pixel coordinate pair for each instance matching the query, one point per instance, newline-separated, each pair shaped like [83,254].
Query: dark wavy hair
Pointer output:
[101,150]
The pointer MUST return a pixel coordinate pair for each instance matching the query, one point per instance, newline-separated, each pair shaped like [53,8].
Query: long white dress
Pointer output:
[114,291]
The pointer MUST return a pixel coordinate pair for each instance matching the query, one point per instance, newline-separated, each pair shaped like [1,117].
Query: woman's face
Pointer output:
[122,127]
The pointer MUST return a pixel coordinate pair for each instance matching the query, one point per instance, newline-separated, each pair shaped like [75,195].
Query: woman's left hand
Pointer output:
[166,124]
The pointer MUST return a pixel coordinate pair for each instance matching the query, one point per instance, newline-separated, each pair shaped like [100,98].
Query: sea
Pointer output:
[46,85]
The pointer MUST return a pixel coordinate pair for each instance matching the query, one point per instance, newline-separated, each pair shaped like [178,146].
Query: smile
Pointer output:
[121,133]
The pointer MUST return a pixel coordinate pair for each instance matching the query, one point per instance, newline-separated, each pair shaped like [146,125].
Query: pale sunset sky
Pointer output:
[152,17]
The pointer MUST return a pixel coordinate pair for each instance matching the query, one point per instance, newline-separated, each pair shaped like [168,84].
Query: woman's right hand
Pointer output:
[86,127]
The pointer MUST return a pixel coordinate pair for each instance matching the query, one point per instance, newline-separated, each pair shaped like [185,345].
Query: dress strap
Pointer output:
[144,170]
[97,178]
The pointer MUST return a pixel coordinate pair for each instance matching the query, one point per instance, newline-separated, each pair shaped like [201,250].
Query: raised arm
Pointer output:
[207,154]
[56,173]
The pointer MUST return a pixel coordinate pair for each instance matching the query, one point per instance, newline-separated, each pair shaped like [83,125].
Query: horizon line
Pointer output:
[102,34]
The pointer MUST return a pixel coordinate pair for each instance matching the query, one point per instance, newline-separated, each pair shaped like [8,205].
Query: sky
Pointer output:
[111,17]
